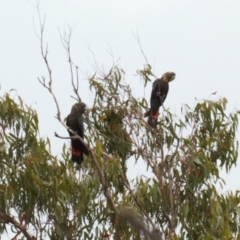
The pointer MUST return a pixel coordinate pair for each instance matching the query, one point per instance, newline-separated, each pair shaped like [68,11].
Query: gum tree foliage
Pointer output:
[44,197]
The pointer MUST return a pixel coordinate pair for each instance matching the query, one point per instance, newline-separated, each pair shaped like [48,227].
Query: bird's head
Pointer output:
[168,76]
[79,108]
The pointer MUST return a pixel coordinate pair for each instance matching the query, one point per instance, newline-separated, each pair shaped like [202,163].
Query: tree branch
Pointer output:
[130,215]
[66,40]
[140,46]
[7,219]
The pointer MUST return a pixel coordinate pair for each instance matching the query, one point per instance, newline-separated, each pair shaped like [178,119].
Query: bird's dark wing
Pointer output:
[163,90]
[159,91]
[155,101]
[158,96]
[155,89]
[80,127]
[81,134]
[75,122]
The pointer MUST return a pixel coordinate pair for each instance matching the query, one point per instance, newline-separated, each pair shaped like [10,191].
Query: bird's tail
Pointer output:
[152,119]
[77,156]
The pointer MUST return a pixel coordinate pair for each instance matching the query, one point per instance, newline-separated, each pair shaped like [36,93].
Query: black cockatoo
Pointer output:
[158,96]
[75,123]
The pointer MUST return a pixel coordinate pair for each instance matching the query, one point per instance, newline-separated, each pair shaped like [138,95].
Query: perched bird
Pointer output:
[75,123]
[158,96]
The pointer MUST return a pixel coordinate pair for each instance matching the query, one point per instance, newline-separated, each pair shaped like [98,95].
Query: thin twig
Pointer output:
[66,42]
[48,85]
[140,46]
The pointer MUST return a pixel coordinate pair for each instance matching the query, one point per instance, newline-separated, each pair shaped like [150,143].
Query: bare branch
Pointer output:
[44,55]
[66,42]
[7,219]
[49,88]
[140,46]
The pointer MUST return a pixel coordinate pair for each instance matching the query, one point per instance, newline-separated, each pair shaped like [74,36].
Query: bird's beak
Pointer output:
[173,77]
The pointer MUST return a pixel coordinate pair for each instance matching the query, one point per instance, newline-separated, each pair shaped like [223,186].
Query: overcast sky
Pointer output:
[198,40]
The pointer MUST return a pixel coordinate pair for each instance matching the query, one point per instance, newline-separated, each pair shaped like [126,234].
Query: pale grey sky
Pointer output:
[198,40]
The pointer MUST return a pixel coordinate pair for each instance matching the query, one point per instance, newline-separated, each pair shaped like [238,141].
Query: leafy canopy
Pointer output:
[43,196]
